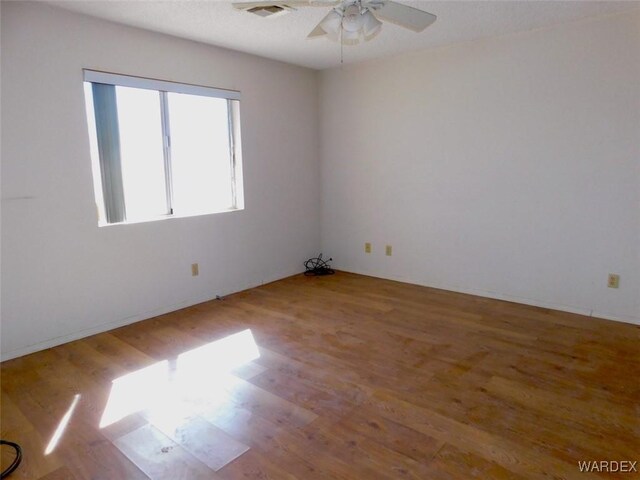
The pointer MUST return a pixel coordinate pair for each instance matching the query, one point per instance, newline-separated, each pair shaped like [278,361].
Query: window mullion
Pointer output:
[166,141]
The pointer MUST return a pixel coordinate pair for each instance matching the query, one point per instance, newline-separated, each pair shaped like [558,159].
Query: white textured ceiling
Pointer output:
[284,37]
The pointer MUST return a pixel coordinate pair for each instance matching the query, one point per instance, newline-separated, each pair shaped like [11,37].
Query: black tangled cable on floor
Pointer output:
[318,266]
[16,461]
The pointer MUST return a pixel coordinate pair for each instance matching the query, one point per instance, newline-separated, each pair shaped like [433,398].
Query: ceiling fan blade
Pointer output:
[317,32]
[405,16]
[329,25]
[291,3]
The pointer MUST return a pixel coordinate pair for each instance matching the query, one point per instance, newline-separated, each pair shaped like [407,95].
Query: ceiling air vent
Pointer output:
[270,10]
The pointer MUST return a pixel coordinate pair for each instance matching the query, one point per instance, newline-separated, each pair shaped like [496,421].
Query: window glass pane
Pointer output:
[141,151]
[200,154]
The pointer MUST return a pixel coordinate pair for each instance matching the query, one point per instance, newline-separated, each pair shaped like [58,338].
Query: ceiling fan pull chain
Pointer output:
[341,47]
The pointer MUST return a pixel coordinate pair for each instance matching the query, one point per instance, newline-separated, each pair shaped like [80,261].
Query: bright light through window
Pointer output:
[200,153]
[161,149]
[141,153]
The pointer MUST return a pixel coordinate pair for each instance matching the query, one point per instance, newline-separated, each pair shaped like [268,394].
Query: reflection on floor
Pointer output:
[177,397]
[338,377]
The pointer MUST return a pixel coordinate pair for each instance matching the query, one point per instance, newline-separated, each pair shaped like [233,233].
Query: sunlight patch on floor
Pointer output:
[62,426]
[172,391]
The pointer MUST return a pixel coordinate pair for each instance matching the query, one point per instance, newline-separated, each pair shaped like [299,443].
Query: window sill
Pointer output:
[167,217]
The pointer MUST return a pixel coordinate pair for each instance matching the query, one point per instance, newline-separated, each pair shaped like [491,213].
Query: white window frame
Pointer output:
[164,87]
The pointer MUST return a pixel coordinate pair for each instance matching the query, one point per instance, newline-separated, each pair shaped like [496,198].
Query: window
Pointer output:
[162,149]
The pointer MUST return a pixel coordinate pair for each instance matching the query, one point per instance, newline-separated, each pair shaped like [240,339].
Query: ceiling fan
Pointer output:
[349,21]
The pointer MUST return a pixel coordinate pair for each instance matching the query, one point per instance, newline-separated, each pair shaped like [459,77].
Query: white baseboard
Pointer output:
[272,278]
[104,327]
[506,297]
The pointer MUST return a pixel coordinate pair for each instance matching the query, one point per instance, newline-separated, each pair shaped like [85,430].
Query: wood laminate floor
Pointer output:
[345,377]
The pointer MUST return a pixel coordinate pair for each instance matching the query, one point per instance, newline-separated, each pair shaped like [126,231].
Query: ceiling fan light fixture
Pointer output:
[352,20]
[350,26]
[351,38]
[331,23]
[371,26]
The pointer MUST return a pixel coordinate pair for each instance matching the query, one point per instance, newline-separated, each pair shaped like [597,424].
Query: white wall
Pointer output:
[508,167]
[62,276]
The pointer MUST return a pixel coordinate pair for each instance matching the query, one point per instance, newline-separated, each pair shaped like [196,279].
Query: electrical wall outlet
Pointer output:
[613,281]
[195,271]
[388,250]
[367,247]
